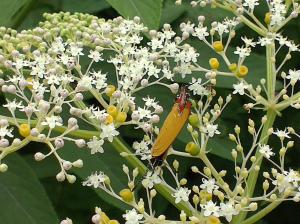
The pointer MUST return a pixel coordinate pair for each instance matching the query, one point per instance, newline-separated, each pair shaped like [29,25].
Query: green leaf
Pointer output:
[148,10]
[171,12]
[110,163]
[86,6]
[23,198]
[12,11]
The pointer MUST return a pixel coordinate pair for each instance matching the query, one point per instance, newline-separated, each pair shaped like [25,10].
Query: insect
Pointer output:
[171,127]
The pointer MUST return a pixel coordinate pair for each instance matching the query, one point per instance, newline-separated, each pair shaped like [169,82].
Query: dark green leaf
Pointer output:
[148,10]
[23,198]
[86,6]
[11,10]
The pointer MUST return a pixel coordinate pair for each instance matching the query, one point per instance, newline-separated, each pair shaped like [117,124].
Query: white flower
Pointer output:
[243,51]
[211,209]
[95,145]
[100,79]
[294,75]
[151,179]
[249,42]
[282,134]
[181,194]
[95,180]
[4,131]
[263,41]
[52,121]
[201,32]
[142,149]
[209,185]
[266,151]
[108,131]
[75,50]
[132,217]
[96,56]
[240,88]
[13,105]
[198,88]
[85,83]
[211,129]
[251,4]
[227,210]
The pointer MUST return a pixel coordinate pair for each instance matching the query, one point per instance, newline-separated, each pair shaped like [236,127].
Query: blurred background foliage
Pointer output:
[29,192]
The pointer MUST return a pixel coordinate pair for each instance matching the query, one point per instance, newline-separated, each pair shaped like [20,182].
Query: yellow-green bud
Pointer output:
[126,195]
[192,148]
[194,120]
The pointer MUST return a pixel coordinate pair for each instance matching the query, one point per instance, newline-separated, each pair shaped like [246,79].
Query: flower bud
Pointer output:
[126,195]
[3,167]
[39,156]
[71,178]
[60,176]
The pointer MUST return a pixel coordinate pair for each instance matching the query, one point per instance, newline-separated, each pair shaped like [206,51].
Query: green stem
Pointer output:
[262,213]
[271,115]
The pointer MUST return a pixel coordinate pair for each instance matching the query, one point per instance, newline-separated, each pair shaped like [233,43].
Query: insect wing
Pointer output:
[170,129]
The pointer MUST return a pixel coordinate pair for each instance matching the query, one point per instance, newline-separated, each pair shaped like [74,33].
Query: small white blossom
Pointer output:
[181,194]
[95,180]
[240,88]
[282,133]
[132,217]
[109,132]
[211,129]
[266,151]
[151,179]
[210,209]
[209,185]
[96,56]
[227,210]
[52,121]
[95,145]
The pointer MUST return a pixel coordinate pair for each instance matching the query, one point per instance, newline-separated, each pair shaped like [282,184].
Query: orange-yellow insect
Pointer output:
[171,127]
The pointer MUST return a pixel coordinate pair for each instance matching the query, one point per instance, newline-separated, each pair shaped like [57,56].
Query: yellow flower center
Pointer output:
[110,89]
[214,63]
[121,117]
[126,195]
[218,46]
[24,130]
[243,71]
[112,110]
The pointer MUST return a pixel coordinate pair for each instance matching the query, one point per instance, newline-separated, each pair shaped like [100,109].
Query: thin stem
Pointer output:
[262,213]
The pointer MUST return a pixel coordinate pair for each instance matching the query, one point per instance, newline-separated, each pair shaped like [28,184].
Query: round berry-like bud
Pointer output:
[60,176]
[71,178]
[158,109]
[192,149]
[4,143]
[3,167]
[80,143]
[174,88]
[121,117]
[117,94]
[109,119]
[39,156]
[112,110]
[144,82]
[126,195]
[72,122]
[59,143]
[96,219]
[194,120]
[147,127]
[267,19]
[67,165]
[154,118]
[78,97]
[41,137]
[78,163]
[110,89]
[24,130]
[218,46]
[242,71]
[232,67]
[214,63]
[34,132]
